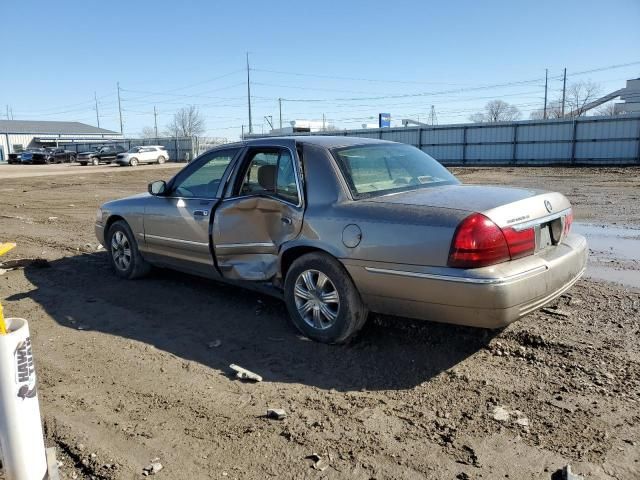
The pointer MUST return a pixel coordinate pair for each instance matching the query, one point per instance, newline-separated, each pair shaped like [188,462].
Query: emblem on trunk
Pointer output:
[548,206]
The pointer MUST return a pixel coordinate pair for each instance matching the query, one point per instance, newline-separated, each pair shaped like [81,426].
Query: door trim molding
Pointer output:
[237,245]
[176,240]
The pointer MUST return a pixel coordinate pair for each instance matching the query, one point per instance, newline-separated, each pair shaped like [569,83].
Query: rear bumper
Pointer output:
[489,297]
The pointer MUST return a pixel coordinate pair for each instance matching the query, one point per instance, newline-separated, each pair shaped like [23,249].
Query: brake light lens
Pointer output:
[568,221]
[521,243]
[478,242]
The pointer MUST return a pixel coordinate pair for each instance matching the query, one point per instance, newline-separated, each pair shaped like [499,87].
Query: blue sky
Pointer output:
[331,57]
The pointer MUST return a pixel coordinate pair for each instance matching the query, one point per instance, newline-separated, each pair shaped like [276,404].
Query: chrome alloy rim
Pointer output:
[121,251]
[317,299]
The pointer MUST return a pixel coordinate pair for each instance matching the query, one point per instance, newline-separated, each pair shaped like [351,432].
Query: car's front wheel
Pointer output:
[322,300]
[133,162]
[123,252]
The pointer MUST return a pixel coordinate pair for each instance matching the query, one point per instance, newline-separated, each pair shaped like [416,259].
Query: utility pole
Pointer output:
[119,107]
[97,114]
[8,113]
[155,120]
[433,118]
[546,84]
[269,119]
[280,108]
[11,110]
[249,95]
[323,123]
[242,135]
[564,88]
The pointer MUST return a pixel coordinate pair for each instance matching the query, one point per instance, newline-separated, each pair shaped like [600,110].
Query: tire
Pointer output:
[72,159]
[124,255]
[346,307]
[95,162]
[161,160]
[84,164]
[133,162]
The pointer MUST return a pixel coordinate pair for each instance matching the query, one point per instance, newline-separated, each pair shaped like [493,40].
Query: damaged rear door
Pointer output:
[263,210]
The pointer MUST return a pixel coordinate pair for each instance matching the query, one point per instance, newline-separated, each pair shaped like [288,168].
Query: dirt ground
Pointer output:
[130,372]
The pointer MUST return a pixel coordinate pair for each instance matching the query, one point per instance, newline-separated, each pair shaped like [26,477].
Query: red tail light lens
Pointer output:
[521,243]
[568,220]
[479,242]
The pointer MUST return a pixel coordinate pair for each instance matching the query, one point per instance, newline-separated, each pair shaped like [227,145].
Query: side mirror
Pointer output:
[158,188]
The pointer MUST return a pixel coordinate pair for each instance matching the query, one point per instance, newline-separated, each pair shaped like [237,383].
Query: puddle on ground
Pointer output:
[611,245]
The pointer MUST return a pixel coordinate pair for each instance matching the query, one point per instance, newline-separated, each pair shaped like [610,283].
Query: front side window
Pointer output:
[379,169]
[205,179]
[271,172]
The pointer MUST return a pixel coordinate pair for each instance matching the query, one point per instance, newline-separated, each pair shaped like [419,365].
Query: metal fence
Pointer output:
[577,141]
[180,149]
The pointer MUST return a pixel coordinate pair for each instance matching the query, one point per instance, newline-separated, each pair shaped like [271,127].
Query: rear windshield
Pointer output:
[380,169]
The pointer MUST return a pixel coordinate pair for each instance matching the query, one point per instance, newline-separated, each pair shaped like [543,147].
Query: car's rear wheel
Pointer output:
[123,252]
[322,300]
[161,160]
[84,164]
[95,161]
[133,162]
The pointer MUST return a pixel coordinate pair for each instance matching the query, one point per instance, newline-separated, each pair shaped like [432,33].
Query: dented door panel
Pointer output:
[248,233]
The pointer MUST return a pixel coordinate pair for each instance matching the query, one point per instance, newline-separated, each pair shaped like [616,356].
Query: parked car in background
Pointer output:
[35,155]
[104,154]
[14,158]
[143,154]
[60,155]
[339,226]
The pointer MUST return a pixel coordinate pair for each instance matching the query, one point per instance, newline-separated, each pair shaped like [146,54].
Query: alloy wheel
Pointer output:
[317,299]
[121,251]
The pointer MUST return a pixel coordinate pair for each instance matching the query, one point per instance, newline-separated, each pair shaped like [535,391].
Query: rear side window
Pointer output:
[271,171]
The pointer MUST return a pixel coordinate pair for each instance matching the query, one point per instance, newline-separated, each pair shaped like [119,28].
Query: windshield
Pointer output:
[134,150]
[385,168]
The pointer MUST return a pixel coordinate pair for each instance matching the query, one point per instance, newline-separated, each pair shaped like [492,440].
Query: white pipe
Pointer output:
[21,436]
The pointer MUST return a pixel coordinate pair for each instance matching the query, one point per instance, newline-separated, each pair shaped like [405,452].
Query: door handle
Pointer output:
[286,220]
[200,213]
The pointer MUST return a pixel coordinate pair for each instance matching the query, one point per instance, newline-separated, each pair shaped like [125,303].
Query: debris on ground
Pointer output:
[244,374]
[23,263]
[276,413]
[317,462]
[153,468]
[502,414]
[555,311]
[565,473]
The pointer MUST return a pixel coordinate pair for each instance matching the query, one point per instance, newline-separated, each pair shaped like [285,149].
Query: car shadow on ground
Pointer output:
[186,315]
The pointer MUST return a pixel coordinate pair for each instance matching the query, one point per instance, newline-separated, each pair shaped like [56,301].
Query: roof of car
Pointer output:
[327,141]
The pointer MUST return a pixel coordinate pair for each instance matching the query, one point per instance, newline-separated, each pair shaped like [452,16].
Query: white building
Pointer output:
[18,135]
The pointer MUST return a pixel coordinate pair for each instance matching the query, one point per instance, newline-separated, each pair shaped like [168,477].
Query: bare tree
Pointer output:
[187,122]
[554,110]
[607,110]
[148,132]
[496,111]
[579,95]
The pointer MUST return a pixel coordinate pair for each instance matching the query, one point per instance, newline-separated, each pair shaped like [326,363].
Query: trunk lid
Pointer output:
[505,206]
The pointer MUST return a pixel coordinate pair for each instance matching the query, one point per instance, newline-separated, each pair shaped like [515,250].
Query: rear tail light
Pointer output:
[479,242]
[568,221]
